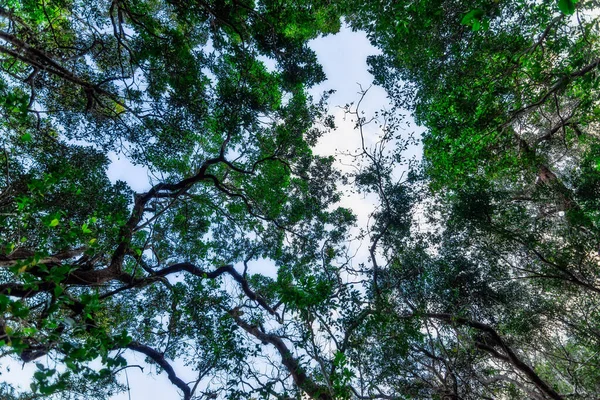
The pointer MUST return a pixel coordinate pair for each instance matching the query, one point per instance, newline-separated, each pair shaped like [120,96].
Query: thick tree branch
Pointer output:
[159,359]
[509,355]
[301,379]
[226,269]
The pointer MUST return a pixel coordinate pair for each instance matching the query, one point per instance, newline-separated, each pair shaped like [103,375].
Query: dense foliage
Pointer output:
[235,263]
[505,290]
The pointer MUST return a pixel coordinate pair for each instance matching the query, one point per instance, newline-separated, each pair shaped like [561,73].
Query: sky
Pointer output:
[343,57]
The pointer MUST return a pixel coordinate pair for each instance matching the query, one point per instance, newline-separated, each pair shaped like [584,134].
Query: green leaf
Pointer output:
[53,223]
[567,6]
[472,15]
[485,24]
[26,137]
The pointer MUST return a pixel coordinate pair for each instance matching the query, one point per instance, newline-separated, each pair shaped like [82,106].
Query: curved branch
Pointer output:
[301,379]
[225,269]
[159,359]
[509,355]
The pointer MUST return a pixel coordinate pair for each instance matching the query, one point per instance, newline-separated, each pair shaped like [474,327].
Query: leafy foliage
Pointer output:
[480,276]
[507,92]
[92,270]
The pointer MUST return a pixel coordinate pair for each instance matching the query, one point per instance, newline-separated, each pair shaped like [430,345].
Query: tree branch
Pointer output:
[159,359]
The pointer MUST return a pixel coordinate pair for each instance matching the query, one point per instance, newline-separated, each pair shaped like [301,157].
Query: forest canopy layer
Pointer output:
[238,263]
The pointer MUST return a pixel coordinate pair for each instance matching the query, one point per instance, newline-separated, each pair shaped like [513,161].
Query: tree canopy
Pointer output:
[237,261]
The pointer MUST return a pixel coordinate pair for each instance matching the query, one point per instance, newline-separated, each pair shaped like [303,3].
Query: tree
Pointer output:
[496,297]
[92,270]
[499,297]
